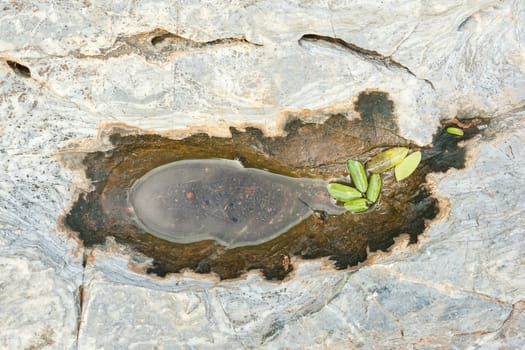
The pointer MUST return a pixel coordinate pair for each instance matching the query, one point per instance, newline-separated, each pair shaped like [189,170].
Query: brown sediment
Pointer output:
[464,125]
[307,150]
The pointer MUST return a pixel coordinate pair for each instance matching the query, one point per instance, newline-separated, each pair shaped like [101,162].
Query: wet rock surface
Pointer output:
[313,150]
[68,69]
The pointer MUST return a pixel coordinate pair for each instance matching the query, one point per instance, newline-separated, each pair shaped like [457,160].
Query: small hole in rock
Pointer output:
[19,69]
[159,39]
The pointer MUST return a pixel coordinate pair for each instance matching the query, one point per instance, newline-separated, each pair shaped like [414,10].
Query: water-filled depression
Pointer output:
[193,200]
[258,219]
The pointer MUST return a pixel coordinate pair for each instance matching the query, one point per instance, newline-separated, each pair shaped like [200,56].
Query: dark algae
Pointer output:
[307,150]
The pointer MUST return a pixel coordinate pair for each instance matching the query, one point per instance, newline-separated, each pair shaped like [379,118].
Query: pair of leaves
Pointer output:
[395,157]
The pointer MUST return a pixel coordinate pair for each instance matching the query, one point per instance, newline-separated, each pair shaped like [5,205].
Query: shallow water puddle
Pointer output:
[193,200]
[259,219]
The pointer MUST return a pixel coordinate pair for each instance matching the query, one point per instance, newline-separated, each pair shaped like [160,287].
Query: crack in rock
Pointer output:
[19,68]
[81,298]
[157,45]
[366,54]
[517,308]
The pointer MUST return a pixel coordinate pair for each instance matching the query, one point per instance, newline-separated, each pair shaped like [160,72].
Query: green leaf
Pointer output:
[374,188]
[407,166]
[386,160]
[454,131]
[358,175]
[356,205]
[343,193]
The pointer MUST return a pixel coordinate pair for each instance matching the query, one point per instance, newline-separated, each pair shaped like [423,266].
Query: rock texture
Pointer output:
[188,66]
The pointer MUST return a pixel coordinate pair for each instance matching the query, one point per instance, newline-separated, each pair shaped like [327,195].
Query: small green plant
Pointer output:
[374,188]
[367,190]
[407,166]
[455,131]
[357,205]
[358,175]
[343,193]
[386,160]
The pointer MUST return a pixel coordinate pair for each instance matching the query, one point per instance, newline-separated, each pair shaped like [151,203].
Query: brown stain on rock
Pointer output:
[307,150]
